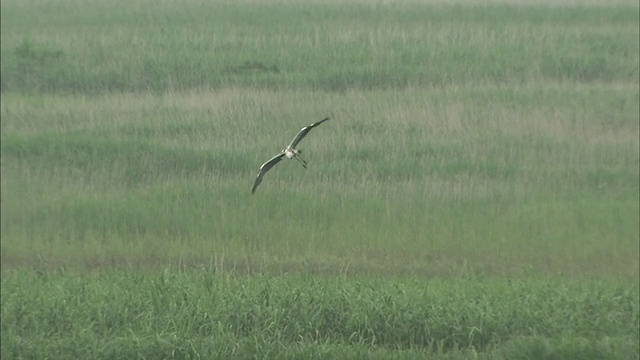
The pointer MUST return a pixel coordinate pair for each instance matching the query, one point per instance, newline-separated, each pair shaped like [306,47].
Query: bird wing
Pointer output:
[304,131]
[264,168]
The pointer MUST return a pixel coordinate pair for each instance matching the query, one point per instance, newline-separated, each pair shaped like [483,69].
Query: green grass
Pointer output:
[97,46]
[475,194]
[201,314]
[418,181]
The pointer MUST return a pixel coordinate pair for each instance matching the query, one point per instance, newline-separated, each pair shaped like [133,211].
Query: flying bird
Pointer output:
[290,152]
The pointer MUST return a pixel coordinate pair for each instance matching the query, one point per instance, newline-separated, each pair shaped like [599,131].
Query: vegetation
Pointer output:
[97,46]
[474,196]
[174,314]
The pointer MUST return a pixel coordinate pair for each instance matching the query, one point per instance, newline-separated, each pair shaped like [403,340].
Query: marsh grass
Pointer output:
[198,313]
[98,47]
[475,194]
[457,176]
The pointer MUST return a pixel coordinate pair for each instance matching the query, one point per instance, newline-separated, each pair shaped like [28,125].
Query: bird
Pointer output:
[290,152]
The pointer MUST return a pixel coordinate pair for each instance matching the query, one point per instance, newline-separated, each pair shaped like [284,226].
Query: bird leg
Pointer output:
[302,161]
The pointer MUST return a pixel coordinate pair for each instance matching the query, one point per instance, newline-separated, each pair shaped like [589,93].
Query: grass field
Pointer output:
[475,195]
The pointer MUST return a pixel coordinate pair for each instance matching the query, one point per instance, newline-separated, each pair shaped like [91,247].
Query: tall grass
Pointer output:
[97,46]
[475,194]
[200,314]
[415,180]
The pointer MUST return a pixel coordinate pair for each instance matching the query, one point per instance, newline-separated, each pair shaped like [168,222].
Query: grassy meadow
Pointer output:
[475,195]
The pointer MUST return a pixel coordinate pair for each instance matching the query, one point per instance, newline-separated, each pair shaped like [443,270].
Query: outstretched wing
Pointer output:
[304,131]
[264,168]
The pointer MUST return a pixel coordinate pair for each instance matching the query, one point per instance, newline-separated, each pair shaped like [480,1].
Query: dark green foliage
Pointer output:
[200,314]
